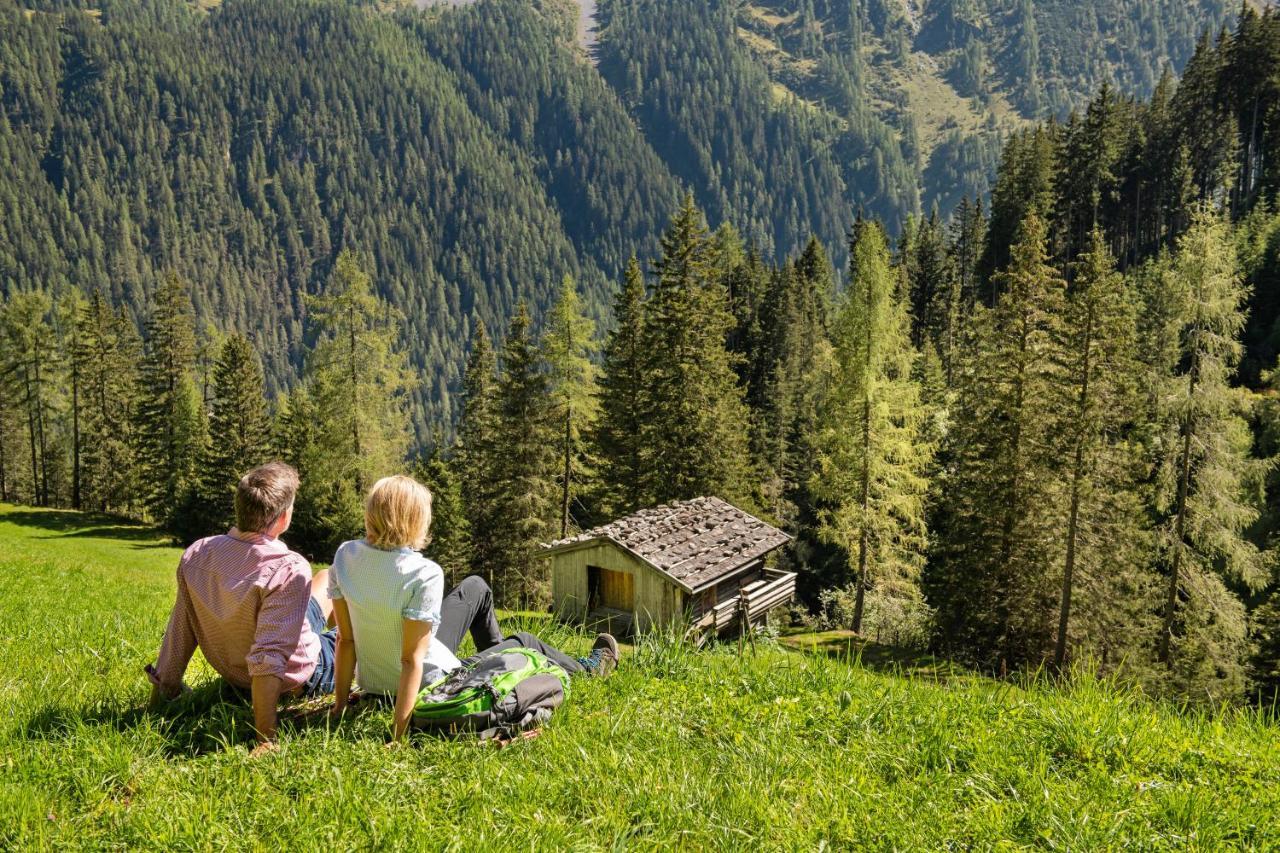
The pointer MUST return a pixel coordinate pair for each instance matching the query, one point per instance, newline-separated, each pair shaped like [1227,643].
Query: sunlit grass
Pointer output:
[776,749]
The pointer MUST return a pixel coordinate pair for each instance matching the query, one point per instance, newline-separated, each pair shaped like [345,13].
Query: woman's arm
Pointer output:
[415,638]
[345,657]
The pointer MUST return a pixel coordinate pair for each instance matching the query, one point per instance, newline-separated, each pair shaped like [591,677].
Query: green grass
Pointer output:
[777,749]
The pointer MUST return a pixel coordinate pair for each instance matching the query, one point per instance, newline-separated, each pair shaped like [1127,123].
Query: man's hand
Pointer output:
[265,748]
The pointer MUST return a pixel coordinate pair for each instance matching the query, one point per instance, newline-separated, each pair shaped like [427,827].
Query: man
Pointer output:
[252,607]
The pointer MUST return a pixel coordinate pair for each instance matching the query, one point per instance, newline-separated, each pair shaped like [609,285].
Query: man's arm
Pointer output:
[415,638]
[176,649]
[276,635]
[266,699]
[345,657]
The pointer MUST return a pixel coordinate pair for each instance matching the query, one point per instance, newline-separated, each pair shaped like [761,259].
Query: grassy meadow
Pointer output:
[779,748]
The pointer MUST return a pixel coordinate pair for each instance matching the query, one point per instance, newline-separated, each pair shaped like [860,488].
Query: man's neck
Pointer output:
[236,533]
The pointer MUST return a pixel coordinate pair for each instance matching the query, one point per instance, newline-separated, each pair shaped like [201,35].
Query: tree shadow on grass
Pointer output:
[894,660]
[211,718]
[69,523]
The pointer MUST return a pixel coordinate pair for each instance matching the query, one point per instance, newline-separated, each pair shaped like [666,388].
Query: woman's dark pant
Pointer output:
[469,607]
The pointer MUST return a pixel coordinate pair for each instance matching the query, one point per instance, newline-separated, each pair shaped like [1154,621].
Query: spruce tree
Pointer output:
[1106,588]
[618,440]
[568,351]
[695,421]
[450,543]
[72,321]
[358,380]
[169,414]
[524,470]
[31,367]
[476,456]
[113,480]
[239,429]
[294,434]
[872,455]
[798,344]
[992,583]
[1201,497]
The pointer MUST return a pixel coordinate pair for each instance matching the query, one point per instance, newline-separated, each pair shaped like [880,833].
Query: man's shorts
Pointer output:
[321,681]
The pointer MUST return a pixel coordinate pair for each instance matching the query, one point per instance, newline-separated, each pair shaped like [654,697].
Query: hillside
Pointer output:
[772,750]
[242,145]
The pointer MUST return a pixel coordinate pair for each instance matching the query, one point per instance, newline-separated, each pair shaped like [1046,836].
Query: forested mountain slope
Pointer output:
[472,156]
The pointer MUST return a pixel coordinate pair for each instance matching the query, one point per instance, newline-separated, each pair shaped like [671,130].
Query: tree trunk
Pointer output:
[865,497]
[1180,527]
[31,437]
[568,472]
[1073,521]
[1068,572]
[355,401]
[44,448]
[75,428]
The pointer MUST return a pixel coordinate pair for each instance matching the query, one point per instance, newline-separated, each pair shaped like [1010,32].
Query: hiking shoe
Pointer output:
[603,658]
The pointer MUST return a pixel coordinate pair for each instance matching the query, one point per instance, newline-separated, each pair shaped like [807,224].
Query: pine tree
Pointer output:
[620,448]
[170,415]
[239,429]
[872,455]
[524,470]
[358,380]
[476,456]
[1201,499]
[1105,587]
[694,420]
[992,583]
[568,350]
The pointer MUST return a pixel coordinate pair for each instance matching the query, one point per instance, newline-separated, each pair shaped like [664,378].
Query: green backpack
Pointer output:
[499,693]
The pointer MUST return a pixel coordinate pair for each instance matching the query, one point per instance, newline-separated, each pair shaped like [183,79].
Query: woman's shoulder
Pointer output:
[350,549]
[416,563]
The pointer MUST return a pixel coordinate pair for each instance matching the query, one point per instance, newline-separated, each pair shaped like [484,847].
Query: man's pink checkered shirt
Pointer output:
[243,600]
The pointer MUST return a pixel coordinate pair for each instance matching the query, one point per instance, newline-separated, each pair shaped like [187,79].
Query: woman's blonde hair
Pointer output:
[397,514]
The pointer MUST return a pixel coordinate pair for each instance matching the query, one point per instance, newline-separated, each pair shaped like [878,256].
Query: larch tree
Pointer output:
[569,348]
[872,454]
[1202,496]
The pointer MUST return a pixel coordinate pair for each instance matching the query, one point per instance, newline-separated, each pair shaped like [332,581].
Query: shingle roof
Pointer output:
[694,542]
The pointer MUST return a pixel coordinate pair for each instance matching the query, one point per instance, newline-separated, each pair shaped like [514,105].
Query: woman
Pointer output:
[394,619]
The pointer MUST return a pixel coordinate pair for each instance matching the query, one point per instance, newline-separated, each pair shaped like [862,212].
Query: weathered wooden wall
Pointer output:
[658,601]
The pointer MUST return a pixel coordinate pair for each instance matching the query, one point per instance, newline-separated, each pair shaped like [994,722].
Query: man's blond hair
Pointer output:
[263,495]
[397,514]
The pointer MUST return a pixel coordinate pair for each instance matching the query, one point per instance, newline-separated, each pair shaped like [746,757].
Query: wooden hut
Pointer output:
[701,560]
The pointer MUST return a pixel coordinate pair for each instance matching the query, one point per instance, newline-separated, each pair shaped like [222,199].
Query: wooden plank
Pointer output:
[617,590]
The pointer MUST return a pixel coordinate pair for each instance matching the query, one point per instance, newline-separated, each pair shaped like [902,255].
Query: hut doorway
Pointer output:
[614,590]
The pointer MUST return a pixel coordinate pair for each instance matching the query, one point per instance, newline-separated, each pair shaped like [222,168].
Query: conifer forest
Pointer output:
[980,304]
